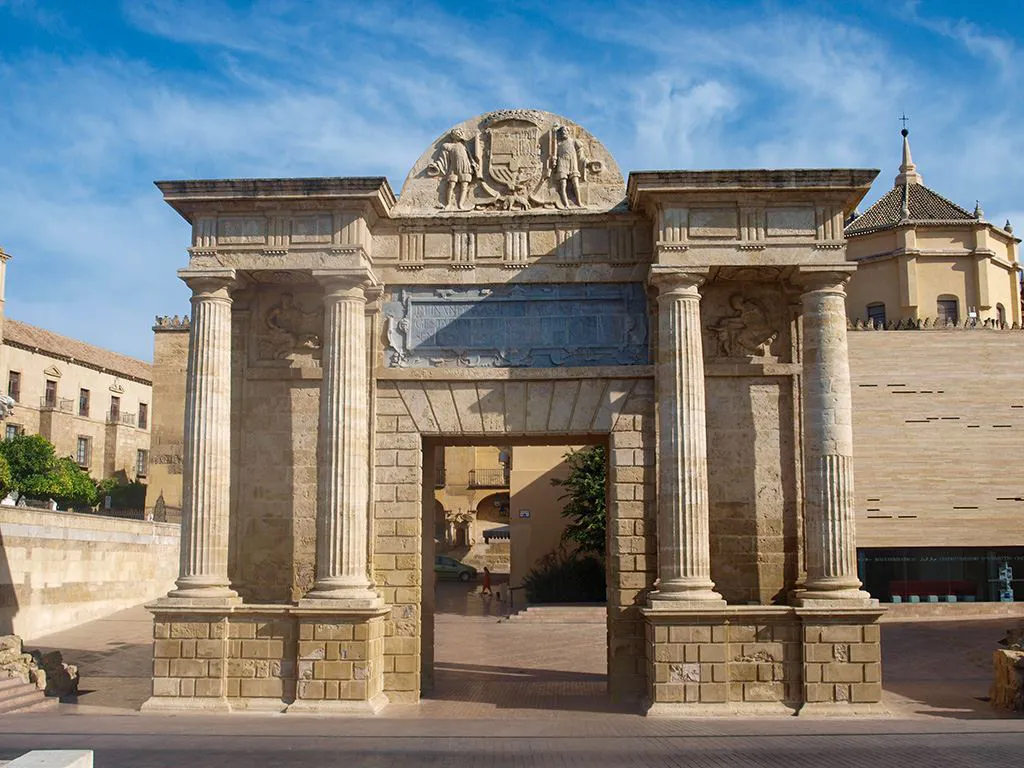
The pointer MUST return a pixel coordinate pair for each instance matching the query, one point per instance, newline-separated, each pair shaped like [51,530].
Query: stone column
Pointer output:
[343,462]
[684,558]
[828,442]
[206,474]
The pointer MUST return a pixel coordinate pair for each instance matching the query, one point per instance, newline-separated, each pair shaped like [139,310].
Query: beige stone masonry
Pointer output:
[207,448]
[343,466]
[683,542]
[828,446]
[762,660]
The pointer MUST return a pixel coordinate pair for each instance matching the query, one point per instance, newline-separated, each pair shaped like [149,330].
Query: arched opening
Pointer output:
[876,314]
[948,309]
[1001,315]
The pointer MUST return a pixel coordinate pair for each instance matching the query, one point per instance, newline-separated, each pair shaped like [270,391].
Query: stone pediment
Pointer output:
[514,161]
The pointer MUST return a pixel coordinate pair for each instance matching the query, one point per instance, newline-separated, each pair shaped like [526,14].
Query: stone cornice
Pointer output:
[189,196]
[644,186]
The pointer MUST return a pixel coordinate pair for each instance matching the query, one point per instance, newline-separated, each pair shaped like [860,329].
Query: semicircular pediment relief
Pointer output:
[513,160]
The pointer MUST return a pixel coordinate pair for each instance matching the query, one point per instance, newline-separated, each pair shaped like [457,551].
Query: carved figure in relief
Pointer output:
[569,163]
[292,329]
[457,167]
[746,332]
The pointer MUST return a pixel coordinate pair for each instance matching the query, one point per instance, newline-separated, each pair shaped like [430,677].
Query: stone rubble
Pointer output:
[46,671]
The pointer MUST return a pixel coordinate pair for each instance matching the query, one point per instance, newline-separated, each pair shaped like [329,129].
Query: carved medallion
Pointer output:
[513,161]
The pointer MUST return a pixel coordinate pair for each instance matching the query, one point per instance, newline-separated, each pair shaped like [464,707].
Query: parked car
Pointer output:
[450,568]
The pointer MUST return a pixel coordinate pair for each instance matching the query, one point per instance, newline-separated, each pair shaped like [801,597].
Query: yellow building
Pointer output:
[922,257]
[91,403]
[497,506]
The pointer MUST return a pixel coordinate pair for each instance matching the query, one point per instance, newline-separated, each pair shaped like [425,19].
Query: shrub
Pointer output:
[564,578]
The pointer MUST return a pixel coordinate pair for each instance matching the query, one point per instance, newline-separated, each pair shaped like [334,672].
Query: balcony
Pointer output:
[119,417]
[62,404]
[488,478]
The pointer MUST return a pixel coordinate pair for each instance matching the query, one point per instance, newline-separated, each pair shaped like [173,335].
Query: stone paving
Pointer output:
[522,694]
[485,669]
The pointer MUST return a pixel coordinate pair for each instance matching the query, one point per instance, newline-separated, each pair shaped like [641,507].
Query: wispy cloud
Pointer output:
[289,88]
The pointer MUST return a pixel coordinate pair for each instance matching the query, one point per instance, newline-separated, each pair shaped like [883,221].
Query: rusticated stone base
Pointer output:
[266,658]
[755,660]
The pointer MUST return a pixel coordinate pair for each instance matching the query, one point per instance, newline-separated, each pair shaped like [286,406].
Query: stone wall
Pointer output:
[60,569]
[754,660]
[170,359]
[938,419]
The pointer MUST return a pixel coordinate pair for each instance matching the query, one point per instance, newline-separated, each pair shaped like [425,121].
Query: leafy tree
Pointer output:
[72,486]
[36,472]
[5,477]
[585,507]
[31,460]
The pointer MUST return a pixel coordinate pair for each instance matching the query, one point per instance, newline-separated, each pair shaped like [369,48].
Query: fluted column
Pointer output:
[342,519]
[203,571]
[684,558]
[830,539]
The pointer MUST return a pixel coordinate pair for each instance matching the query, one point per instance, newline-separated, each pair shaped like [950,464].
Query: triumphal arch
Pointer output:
[518,289]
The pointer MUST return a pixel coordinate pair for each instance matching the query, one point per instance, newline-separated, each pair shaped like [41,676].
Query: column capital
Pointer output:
[675,280]
[832,279]
[209,283]
[340,281]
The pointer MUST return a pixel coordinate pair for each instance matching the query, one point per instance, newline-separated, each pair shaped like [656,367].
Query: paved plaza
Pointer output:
[522,693]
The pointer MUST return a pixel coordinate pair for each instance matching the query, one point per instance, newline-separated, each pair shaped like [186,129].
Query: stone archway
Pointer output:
[548,407]
[518,289]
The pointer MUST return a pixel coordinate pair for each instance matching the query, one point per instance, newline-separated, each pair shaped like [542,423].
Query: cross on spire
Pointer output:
[904,119]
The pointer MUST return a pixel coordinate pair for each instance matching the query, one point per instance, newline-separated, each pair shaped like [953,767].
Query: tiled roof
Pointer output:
[925,207]
[64,348]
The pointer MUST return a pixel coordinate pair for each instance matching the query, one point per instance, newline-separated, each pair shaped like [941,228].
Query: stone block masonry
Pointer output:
[762,660]
[267,658]
[61,569]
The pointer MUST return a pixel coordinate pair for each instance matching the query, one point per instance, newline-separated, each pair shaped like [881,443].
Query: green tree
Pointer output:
[31,460]
[585,495]
[72,485]
[5,477]
[36,472]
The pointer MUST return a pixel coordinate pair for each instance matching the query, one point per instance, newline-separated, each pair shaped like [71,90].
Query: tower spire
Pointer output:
[908,171]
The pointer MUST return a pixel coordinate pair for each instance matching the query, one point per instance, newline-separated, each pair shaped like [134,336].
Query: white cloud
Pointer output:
[322,88]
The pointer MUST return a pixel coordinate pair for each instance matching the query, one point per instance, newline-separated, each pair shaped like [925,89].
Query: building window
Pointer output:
[1001,314]
[141,462]
[143,415]
[948,310]
[13,430]
[83,402]
[83,452]
[14,385]
[115,408]
[876,314]
[50,399]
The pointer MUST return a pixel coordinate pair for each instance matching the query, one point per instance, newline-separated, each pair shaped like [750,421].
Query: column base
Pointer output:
[369,707]
[693,599]
[188,588]
[183,704]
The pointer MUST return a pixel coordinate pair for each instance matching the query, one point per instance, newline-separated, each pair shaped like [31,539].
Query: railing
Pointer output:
[488,478]
[119,417]
[439,478]
[62,404]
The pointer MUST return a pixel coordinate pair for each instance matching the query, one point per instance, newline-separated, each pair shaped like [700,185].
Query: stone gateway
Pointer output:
[518,291]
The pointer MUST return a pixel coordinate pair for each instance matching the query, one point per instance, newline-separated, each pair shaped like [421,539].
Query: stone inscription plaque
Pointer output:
[538,326]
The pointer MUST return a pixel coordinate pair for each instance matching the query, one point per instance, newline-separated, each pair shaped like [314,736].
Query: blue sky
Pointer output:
[98,99]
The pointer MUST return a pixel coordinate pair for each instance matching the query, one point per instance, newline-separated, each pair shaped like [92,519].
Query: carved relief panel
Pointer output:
[746,321]
[286,326]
